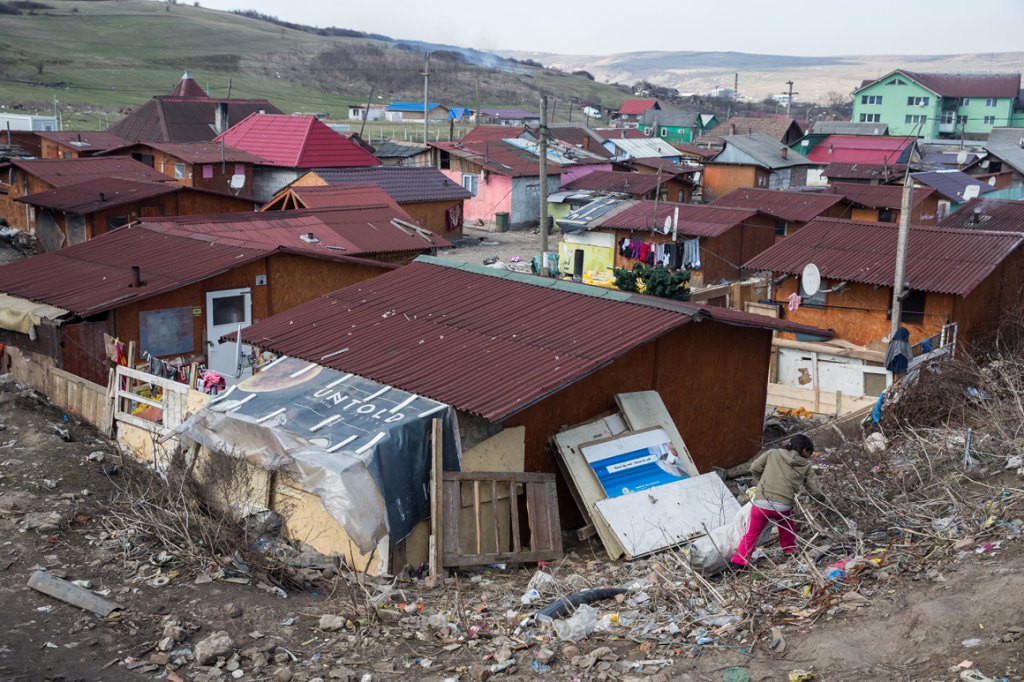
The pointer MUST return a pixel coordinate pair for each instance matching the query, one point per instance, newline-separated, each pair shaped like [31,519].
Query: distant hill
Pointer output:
[111,55]
[763,75]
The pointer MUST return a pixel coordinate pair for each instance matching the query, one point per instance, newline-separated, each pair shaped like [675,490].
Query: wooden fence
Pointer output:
[80,397]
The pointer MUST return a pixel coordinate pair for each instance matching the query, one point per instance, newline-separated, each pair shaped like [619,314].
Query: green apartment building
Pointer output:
[933,105]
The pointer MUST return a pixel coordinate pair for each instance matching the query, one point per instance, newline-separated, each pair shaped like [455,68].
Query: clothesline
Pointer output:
[676,255]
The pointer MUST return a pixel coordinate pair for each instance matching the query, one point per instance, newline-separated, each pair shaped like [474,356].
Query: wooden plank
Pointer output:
[554,523]
[645,409]
[513,507]
[505,451]
[140,399]
[586,532]
[451,496]
[494,513]
[668,515]
[476,517]
[436,498]
[583,481]
[455,560]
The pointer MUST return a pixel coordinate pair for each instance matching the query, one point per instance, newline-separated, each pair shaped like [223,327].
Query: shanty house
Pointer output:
[781,128]
[469,337]
[413,111]
[790,210]
[969,277]
[675,188]
[506,117]
[361,113]
[952,187]
[175,286]
[72,145]
[204,165]
[883,203]
[290,146]
[396,153]
[632,111]
[993,215]
[753,161]
[430,198]
[1005,147]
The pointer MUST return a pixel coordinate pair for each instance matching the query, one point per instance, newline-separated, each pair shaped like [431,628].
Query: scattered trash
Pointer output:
[971,643]
[800,676]
[735,675]
[577,626]
[74,595]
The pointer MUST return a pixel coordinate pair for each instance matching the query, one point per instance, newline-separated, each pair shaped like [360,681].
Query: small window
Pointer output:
[444,160]
[948,116]
[990,102]
[918,101]
[989,120]
[116,221]
[870,118]
[912,311]
[885,215]
[228,310]
[66,155]
[781,228]
[961,120]
[816,301]
[870,99]
[964,102]
[179,171]
[664,132]
[896,81]
[207,171]
[916,118]
[469,181]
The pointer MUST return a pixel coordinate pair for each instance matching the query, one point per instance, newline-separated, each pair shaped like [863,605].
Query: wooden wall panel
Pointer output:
[720,179]
[82,350]
[431,215]
[294,280]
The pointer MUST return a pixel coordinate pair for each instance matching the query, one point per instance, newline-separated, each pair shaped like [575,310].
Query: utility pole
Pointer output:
[426,79]
[789,102]
[901,254]
[366,114]
[542,157]
[736,86]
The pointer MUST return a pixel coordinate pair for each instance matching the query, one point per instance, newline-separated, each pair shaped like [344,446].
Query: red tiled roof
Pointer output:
[183,119]
[295,142]
[999,215]
[870,149]
[636,107]
[792,206]
[634,184]
[492,133]
[694,220]
[621,133]
[865,171]
[465,336]
[405,184]
[98,194]
[940,260]
[61,172]
[87,141]
[963,84]
[878,196]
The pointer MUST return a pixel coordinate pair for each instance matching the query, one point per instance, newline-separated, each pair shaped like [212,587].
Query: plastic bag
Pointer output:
[710,554]
[578,625]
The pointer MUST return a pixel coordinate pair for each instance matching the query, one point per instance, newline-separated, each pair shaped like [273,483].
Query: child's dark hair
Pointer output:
[801,443]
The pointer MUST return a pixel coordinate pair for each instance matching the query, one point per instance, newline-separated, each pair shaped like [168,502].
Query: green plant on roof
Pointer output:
[654,281]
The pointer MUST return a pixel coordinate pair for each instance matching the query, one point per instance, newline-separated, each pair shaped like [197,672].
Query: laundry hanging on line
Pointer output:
[684,254]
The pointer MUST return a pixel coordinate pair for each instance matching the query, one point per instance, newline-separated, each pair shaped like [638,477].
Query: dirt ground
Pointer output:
[56,496]
[514,248]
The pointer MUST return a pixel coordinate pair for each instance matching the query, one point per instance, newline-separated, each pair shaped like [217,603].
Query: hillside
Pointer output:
[763,75]
[111,55]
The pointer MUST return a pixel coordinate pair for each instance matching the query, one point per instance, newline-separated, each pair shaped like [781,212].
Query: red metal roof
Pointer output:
[940,260]
[871,149]
[694,220]
[793,206]
[492,133]
[98,194]
[636,107]
[86,142]
[95,276]
[183,119]
[635,184]
[296,142]
[498,157]
[469,336]
[1000,215]
[878,196]
[61,172]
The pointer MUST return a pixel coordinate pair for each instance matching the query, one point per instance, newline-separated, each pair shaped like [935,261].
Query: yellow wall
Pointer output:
[598,252]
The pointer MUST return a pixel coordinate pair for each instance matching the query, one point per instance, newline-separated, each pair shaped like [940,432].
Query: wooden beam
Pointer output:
[436,498]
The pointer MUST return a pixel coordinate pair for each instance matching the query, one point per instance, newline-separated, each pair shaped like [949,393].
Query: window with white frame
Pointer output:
[990,120]
[964,102]
[990,102]
[870,99]
[918,101]
[948,116]
[469,181]
[870,118]
[896,81]
[961,120]
[916,118]
[179,171]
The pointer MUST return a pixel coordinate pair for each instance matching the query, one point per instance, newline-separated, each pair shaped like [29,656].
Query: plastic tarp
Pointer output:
[364,448]
[22,315]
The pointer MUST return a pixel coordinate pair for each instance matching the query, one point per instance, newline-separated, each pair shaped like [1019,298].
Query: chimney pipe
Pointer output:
[976,218]
[102,198]
[220,120]
[136,276]
[785,152]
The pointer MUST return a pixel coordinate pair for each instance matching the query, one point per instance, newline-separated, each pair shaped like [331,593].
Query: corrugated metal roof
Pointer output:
[469,336]
[634,184]
[98,194]
[793,206]
[862,149]
[86,141]
[999,215]
[951,183]
[848,128]
[296,142]
[645,148]
[393,149]
[62,172]
[510,114]
[205,152]
[878,196]
[183,119]
[968,84]
[96,275]
[864,171]
[580,137]
[636,107]
[764,150]
[498,157]
[1007,144]
[492,134]
[620,133]
[683,119]
[694,220]
[405,184]
[776,127]
[694,150]
[187,87]
[667,166]
[940,260]
[412,106]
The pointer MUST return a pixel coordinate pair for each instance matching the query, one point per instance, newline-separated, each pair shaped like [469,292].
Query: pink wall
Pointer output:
[570,173]
[493,196]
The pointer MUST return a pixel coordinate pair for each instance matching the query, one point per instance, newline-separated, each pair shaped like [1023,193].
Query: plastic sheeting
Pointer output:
[364,448]
[21,315]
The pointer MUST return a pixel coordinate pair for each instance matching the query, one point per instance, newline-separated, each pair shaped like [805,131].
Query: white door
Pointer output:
[227,311]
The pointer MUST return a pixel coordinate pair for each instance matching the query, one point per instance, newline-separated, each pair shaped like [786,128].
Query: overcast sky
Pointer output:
[804,27]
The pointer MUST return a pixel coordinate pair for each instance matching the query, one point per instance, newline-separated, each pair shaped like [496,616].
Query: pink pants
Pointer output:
[759,518]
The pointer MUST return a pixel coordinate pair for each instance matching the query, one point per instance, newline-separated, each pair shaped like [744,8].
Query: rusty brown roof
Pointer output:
[694,220]
[61,172]
[1002,215]
[940,260]
[468,336]
[785,205]
[878,196]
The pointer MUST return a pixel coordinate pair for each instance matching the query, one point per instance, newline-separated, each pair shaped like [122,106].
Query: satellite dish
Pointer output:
[992,181]
[668,224]
[810,280]
[972,191]
[961,157]
[237,181]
